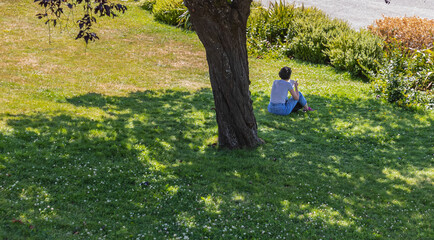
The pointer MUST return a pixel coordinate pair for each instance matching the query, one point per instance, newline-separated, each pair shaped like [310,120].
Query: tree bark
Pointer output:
[221,27]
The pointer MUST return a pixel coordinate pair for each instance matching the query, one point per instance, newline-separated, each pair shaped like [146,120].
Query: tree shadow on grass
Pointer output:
[145,165]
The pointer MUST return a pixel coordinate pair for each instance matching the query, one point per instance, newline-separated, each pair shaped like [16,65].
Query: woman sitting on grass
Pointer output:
[279,102]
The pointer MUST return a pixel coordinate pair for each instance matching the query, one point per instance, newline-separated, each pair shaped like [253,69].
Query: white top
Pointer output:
[279,91]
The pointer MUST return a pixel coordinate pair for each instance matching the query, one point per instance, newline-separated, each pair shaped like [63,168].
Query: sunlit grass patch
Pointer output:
[211,204]
[120,62]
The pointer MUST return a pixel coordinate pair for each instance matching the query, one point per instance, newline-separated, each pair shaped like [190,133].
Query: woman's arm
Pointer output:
[294,91]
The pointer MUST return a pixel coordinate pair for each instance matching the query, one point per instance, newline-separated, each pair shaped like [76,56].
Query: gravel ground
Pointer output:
[361,13]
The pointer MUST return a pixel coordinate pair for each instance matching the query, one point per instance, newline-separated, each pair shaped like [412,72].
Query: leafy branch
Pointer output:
[54,12]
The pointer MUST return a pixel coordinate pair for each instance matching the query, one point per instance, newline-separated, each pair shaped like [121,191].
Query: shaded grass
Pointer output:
[122,146]
[139,169]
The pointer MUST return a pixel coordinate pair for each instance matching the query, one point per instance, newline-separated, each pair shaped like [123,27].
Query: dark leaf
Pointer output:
[97,8]
[107,10]
[80,35]
[121,7]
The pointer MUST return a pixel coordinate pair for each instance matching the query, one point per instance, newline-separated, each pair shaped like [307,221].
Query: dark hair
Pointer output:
[285,73]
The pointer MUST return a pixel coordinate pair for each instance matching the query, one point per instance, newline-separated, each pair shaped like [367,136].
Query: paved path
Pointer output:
[361,13]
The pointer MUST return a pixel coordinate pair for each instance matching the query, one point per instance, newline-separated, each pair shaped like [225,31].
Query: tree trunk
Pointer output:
[221,27]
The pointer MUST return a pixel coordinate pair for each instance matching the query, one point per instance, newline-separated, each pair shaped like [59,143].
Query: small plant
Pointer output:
[148,4]
[184,21]
[268,27]
[169,11]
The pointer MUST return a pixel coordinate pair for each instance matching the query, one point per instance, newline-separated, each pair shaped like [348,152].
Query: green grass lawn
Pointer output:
[118,142]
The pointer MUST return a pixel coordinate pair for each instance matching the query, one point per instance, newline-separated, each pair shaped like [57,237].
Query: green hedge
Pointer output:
[310,33]
[355,51]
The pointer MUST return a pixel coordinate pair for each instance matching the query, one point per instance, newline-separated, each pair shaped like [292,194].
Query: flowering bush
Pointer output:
[414,32]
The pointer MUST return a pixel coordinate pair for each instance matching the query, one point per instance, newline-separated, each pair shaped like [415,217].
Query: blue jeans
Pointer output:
[287,107]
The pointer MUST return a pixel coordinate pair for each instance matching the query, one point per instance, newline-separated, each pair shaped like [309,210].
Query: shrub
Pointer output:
[147,4]
[405,78]
[355,51]
[169,11]
[310,35]
[308,46]
[413,32]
